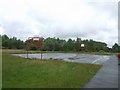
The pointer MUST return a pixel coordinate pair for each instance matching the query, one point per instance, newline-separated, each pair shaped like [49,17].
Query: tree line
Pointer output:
[11,43]
[57,44]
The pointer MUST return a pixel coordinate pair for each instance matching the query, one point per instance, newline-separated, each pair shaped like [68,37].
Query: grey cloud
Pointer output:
[17,29]
[76,32]
[119,23]
[48,26]
[110,7]
[40,17]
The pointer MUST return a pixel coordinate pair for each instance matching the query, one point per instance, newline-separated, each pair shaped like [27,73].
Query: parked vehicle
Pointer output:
[118,58]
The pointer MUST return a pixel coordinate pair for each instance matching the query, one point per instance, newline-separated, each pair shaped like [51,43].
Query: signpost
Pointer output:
[36,42]
[82,47]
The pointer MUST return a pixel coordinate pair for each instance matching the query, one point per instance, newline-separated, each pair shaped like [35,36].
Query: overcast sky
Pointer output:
[87,19]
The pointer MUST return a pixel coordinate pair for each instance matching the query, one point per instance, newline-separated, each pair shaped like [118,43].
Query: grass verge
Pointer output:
[22,51]
[24,73]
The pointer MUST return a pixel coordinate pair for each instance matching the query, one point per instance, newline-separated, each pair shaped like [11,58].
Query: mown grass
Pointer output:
[24,73]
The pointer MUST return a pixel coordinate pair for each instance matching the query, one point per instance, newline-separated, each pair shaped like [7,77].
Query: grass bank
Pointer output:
[22,51]
[24,73]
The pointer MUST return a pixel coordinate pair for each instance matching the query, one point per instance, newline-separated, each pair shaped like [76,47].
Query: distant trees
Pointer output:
[53,44]
[56,44]
[12,43]
[0,42]
[115,48]
[77,44]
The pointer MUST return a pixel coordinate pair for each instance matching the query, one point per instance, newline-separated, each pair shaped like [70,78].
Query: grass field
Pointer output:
[24,73]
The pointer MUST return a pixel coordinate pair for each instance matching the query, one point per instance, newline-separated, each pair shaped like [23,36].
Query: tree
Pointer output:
[70,45]
[116,48]
[77,44]
[0,42]
[12,43]
[57,44]
[49,44]
[5,41]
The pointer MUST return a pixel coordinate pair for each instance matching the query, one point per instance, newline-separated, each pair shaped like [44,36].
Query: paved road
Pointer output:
[107,76]
[81,58]
[119,76]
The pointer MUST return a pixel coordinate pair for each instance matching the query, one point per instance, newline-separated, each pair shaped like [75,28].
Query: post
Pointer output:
[27,53]
[41,54]
[27,49]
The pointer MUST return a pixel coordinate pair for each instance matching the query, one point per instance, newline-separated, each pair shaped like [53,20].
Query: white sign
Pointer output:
[35,39]
[82,45]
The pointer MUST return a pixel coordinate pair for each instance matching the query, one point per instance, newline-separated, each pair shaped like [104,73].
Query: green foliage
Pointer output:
[116,48]
[101,51]
[77,44]
[0,42]
[56,44]
[12,43]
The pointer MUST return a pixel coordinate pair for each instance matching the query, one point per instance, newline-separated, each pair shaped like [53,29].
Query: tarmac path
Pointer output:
[70,57]
[107,76]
